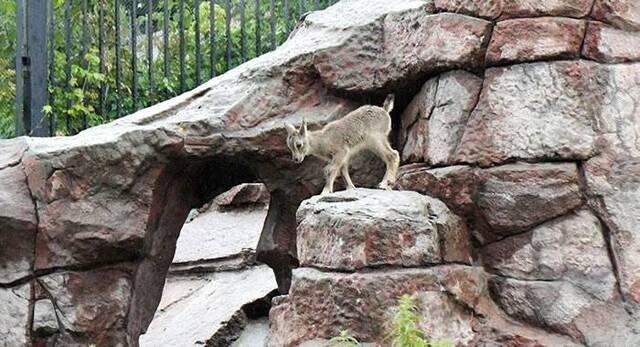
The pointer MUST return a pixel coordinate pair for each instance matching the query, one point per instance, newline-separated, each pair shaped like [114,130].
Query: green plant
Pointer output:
[404,327]
[345,339]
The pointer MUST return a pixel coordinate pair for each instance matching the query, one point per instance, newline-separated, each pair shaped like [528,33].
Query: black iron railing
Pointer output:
[80,63]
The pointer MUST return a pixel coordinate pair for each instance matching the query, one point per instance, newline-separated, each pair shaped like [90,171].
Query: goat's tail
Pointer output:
[388,103]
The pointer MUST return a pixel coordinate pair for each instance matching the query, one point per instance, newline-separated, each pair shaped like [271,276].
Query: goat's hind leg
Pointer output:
[391,158]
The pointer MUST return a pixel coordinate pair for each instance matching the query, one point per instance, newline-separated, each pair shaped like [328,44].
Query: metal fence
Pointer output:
[80,63]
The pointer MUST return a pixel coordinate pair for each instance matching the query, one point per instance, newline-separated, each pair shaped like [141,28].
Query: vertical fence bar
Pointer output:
[287,18]
[134,55]
[182,44]
[21,30]
[52,49]
[301,7]
[258,29]
[227,11]
[118,67]
[196,11]
[67,67]
[85,47]
[317,5]
[101,68]
[152,85]
[36,64]
[243,43]
[213,53]
[165,37]
[273,25]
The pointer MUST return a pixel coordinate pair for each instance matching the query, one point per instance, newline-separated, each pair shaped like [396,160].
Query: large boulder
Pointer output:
[356,229]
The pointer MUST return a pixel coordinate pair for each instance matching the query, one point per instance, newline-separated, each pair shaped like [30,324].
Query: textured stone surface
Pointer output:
[193,318]
[620,13]
[609,45]
[513,198]
[450,298]
[522,40]
[17,225]
[614,192]
[477,8]
[454,185]
[91,305]
[355,229]
[434,121]
[45,322]
[428,42]
[14,316]
[570,248]
[220,234]
[564,308]
[536,8]
[535,111]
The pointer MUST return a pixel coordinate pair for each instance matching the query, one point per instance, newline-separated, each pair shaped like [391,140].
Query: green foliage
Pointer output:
[345,339]
[78,101]
[404,327]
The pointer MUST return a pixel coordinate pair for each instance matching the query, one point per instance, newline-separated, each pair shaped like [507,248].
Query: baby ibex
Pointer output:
[368,127]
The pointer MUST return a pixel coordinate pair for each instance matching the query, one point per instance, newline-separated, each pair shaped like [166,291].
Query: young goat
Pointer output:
[366,128]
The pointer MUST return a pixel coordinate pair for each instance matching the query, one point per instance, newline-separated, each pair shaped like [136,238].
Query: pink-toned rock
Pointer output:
[613,186]
[243,194]
[531,39]
[429,42]
[454,185]
[450,298]
[622,14]
[489,9]
[17,225]
[536,111]
[566,309]
[356,229]
[434,121]
[536,8]
[570,248]
[606,44]
[514,198]
[91,305]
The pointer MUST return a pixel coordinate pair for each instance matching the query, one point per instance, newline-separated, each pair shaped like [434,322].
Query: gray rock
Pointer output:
[213,300]
[434,121]
[17,225]
[14,316]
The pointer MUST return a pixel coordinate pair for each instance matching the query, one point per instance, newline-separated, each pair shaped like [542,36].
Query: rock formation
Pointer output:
[520,115]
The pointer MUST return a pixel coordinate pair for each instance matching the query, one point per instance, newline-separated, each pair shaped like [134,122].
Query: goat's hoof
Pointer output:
[384,185]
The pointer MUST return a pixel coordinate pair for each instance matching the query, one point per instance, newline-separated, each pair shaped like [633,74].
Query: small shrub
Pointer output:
[345,339]
[404,329]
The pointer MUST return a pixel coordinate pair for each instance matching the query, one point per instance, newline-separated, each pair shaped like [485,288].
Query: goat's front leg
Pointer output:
[331,172]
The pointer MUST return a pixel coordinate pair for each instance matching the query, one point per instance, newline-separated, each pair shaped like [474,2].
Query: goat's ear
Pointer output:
[290,128]
[303,128]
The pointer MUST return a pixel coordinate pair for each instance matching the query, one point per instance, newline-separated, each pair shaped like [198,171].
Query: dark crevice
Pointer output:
[56,308]
[500,238]
[68,268]
[230,330]
[384,268]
